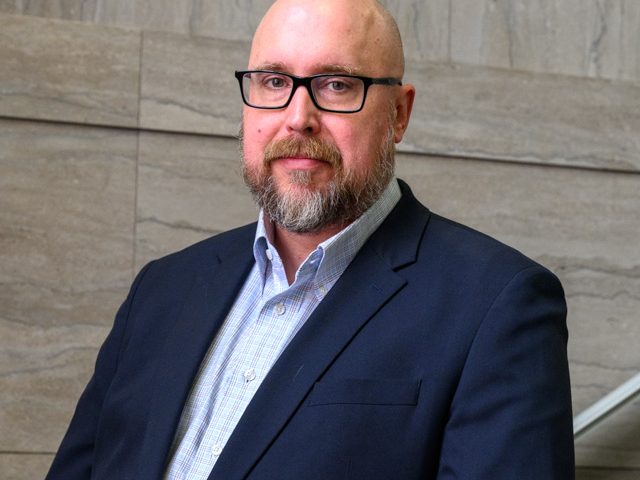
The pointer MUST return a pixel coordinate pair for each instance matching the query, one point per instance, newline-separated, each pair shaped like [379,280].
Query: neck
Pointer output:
[293,247]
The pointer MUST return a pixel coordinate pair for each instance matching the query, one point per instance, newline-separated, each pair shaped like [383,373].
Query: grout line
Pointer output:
[513,161]
[430,154]
[139,132]
[107,126]
[9,452]
[140,57]
[134,236]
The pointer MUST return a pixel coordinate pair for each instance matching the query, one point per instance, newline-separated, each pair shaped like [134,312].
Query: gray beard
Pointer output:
[340,202]
[306,211]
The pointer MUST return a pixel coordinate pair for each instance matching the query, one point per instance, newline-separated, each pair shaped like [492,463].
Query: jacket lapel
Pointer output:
[202,314]
[367,284]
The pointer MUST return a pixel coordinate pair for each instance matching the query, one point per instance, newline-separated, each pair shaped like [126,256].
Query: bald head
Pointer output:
[392,35]
[362,25]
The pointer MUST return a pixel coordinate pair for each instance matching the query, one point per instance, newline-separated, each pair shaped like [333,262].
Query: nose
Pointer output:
[302,114]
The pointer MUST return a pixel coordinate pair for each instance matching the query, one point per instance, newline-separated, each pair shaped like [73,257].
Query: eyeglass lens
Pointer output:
[332,92]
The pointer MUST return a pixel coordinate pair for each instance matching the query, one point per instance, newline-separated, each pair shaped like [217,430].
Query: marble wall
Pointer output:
[116,146]
[593,38]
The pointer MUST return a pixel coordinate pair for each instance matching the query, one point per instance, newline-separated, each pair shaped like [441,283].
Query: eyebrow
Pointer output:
[320,69]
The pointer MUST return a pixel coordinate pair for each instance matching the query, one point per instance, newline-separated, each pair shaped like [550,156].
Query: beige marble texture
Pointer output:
[9,6]
[629,65]
[212,18]
[582,224]
[593,38]
[189,188]
[24,466]
[424,26]
[173,16]
[478,112]
[66,210]
[66,260]
[229,20]
[596,38]
[68,71]
[63,9]
[188,83]
[43,372]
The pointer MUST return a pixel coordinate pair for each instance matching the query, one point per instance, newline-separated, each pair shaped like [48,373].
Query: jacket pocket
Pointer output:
[365,392]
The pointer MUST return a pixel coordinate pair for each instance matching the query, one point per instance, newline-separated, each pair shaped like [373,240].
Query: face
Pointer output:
[307,168]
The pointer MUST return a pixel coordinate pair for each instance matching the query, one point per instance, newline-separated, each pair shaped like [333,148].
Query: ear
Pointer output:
[404,105]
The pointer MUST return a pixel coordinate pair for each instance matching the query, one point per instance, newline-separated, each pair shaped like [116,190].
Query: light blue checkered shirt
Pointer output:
[266,315]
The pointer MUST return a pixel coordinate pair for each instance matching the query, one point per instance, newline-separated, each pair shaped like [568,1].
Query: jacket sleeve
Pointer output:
[511,413]
[74,458]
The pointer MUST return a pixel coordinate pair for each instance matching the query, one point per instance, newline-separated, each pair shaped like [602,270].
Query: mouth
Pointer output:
[299,162]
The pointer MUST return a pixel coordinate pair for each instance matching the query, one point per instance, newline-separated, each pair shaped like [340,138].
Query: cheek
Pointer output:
[360,148]
[255,139]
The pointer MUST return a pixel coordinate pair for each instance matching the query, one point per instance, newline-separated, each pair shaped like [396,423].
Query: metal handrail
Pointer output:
[604,407]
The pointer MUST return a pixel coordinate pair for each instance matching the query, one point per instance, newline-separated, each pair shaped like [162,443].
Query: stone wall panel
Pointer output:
[24,466]
[189,188]
[593,38]
[68,71]
[66,259]
[196,90]
[424,27]
[495,114]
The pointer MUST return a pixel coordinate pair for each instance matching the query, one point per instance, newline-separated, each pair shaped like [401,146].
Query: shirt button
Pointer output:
[280,308]
[322,290]
[217,449]
[269,254]
[249,375]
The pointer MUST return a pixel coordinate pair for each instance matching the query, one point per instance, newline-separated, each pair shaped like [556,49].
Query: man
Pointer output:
[351,333]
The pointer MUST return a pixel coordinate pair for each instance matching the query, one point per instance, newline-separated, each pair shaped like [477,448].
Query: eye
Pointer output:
[274,82]
[337,85]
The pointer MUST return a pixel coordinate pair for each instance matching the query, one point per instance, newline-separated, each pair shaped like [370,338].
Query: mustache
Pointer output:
[309,147]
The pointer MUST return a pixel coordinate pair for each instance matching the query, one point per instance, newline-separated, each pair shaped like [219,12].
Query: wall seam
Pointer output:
[134,236]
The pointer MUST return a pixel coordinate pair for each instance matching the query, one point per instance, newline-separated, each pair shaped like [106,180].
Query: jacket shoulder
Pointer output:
[453,248]
[461,248]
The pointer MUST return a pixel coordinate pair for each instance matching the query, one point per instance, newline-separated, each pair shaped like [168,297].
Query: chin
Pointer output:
[303,179]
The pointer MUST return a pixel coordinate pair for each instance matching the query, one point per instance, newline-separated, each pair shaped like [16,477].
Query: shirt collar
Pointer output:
[330,259]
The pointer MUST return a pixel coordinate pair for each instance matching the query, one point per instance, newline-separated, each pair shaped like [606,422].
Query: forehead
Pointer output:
[312,38]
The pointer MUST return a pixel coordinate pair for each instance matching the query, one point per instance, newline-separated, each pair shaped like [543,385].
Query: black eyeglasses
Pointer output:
[332,93]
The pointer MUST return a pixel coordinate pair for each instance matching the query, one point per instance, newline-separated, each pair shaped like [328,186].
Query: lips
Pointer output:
[301,162]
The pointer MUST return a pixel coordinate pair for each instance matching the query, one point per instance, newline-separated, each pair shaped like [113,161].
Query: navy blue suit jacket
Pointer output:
[439,354]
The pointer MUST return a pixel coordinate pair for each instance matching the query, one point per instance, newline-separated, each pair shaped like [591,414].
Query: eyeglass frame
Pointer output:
[306,82]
